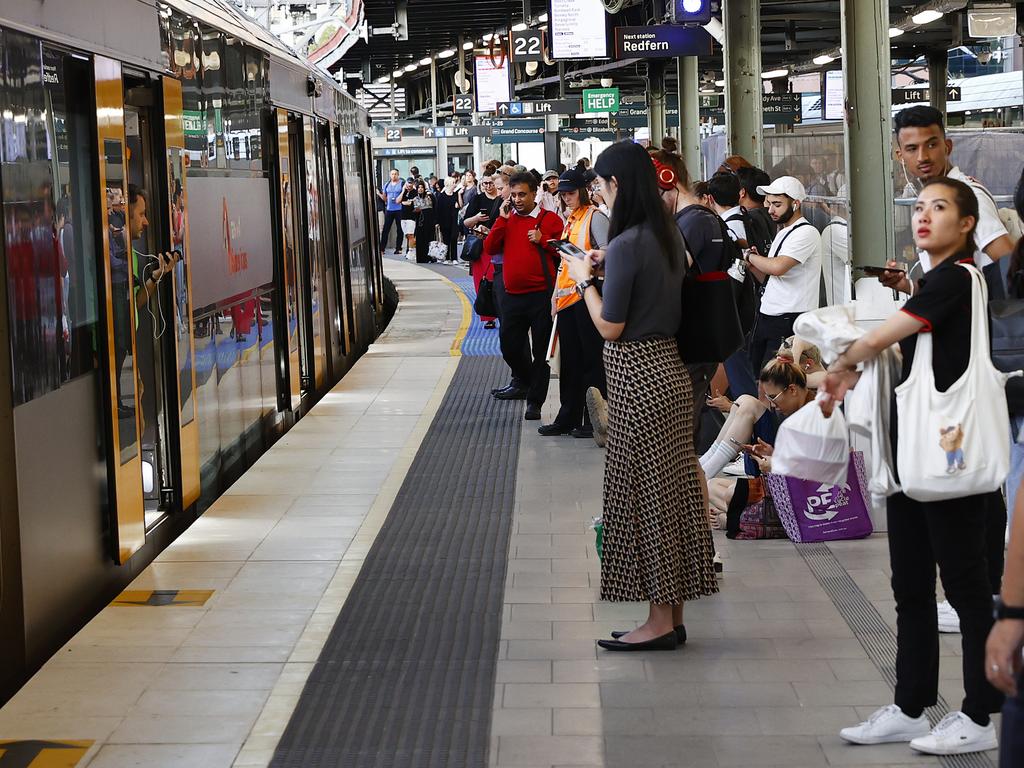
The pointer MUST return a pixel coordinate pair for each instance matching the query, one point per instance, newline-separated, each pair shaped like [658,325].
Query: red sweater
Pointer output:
[522,270]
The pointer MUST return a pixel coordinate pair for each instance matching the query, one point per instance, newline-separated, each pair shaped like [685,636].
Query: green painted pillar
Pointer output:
[868,127]
[743,89]
[689,114]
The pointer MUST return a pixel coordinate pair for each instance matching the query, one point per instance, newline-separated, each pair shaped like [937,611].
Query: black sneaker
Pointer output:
[552,429]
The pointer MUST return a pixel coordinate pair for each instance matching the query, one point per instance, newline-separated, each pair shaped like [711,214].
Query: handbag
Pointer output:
[955,443]
[485,304]
[437,249]
[812,446]
[812,511]
[472,248]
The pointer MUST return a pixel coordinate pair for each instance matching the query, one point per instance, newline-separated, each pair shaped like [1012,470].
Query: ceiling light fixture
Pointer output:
[927,17]
[543,17]
[895,32]
[397,73]
[823,59]
[466,46]
[410,67]
[520,26]
[774,73]
[383,79]
[425,61]
[447,53]
[720,83]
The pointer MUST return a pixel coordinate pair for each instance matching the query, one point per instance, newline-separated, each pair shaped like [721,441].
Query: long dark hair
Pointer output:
[637,202]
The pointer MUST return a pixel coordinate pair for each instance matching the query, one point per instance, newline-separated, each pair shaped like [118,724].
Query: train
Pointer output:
[190,259]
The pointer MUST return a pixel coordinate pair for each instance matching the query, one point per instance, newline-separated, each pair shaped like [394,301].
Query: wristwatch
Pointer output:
[1003,611]
[581,288]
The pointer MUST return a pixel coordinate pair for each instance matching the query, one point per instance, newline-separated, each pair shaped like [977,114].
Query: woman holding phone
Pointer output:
[580,345]
[947,534]
[481,213]
[657,543]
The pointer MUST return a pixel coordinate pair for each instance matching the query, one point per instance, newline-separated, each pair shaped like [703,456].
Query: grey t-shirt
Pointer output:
[599,230]
[640,288]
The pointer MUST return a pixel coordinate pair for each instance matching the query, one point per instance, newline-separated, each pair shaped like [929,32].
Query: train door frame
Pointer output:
[334,248]
[344,240]
[315,256]
[365,147]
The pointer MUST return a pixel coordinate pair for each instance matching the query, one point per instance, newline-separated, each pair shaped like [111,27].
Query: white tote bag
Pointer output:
[955,443]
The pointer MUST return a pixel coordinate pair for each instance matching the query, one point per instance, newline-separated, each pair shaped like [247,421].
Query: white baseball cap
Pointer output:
[784,185]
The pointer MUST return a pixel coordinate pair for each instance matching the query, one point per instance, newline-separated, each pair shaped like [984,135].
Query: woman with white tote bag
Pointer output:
[951,442]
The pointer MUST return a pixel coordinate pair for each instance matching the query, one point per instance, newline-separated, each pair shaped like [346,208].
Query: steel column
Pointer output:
[938,72]
[689,114]
[743,87]
[868,127]
[656,100]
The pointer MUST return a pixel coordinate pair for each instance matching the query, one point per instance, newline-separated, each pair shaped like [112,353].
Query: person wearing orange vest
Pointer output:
[580,345]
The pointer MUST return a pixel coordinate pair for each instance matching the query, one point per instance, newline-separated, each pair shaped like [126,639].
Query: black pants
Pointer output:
[392,217]
[499,299]
[527,315]
[769,333]
[995,539]
[700,379]
[952,535]
[581,364]
[1011,742]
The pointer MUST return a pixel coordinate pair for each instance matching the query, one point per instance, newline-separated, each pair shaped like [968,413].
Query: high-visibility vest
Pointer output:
[577,232]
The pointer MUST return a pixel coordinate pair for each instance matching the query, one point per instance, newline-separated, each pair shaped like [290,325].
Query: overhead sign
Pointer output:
[513,131]
[781,108]
[661,41]
[479,131]
[528,45]
[922,96]
[492,82]
[601,100]
[445,131]
[710,101]
[579,29]
[545,107]
[392,133]
[833,98]
[462,103]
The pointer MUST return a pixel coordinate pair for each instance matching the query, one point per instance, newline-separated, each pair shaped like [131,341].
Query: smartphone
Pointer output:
[879,271]
[567,248]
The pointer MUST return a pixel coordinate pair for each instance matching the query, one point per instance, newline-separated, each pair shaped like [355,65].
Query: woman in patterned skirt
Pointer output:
[657,546]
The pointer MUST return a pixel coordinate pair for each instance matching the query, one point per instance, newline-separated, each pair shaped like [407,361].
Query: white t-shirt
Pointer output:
[835,260]
[989,227]
[736,227]
[798,289]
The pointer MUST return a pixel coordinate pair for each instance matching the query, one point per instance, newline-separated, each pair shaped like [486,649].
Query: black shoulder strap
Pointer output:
[545,264]
[789,232]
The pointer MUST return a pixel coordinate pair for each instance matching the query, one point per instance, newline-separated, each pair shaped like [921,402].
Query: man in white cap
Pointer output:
[792,269]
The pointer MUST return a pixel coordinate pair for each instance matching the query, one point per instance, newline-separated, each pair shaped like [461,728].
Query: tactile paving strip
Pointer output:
[406,678]
[877,637]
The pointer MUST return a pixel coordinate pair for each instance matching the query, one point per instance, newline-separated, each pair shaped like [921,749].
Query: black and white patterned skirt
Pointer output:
[657,542]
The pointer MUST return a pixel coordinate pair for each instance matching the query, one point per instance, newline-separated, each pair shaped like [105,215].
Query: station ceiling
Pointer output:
[793,32]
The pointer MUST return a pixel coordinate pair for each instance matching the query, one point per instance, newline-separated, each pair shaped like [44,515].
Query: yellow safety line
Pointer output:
[467,317]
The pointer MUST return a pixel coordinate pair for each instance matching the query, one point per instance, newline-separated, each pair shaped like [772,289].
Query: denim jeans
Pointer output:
[1013,480]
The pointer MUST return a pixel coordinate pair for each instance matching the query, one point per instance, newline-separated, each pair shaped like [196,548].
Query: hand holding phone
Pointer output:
[566,248]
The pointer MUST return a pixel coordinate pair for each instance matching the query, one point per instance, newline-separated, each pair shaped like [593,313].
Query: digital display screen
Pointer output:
[492,82]
[579,29]
[833,98]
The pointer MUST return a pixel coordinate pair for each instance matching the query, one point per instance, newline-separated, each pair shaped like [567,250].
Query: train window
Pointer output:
[120,297]
[48,215]
[183,310]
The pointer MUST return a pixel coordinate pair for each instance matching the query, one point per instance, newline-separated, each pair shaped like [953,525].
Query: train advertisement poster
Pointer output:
[232,243]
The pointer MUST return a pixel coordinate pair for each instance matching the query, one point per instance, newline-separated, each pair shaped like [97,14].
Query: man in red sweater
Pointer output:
[521,233]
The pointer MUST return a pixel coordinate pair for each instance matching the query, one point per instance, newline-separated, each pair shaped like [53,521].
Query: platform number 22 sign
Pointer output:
[528,45]
[463,103]
[393,134]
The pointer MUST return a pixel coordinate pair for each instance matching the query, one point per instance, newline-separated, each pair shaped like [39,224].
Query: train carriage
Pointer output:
[180,141]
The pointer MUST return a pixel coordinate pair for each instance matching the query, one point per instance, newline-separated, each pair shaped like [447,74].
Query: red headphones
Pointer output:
[666,176]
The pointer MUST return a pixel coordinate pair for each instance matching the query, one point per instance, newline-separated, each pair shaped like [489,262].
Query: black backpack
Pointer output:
[759,227]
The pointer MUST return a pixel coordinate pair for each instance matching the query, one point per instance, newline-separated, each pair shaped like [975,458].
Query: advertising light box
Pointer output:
[579,29]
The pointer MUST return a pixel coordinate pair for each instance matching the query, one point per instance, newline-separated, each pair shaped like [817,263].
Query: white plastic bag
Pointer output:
[954,443]
[811,446]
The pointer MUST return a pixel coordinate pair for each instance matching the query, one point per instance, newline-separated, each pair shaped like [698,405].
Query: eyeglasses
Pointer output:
[774,398]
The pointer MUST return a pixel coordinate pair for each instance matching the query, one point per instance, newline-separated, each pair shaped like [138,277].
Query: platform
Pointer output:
[407,579]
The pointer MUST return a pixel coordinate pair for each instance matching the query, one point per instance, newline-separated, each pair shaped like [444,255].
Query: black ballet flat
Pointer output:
[666,642]
[680,631]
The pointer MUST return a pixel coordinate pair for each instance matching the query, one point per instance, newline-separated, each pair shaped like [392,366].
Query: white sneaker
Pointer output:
[956,734]
[735,468]
[949,620]
[885,726]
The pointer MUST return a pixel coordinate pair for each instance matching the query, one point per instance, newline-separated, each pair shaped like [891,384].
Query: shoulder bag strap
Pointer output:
[778,250]
[544,260]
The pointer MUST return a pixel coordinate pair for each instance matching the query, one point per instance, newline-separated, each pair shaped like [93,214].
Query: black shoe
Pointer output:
[490,325]
[666,642]
[583,432]
[679,630]
[532,411]
[552,429]
[496,390]
[511,393]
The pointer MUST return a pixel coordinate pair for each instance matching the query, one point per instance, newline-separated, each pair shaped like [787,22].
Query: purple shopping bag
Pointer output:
[812,511]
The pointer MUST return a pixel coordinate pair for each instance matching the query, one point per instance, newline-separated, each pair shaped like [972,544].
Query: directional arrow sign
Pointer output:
[503,108]
[922,96]
[429,132]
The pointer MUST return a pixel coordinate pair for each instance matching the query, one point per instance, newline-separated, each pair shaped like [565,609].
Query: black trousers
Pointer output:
[952,535]
[1011,742]
[700,379]
[769,333]
[527,316]
[499,299]
[392,217]
[581,364]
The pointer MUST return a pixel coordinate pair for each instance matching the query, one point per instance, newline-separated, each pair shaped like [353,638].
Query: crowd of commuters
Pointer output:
[600,256]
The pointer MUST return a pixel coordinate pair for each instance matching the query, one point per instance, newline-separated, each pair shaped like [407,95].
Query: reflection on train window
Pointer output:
[48,209]
[120,298]
[182,307]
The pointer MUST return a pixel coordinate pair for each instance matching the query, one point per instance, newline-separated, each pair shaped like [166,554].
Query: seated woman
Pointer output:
[749,417]
[786,389]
